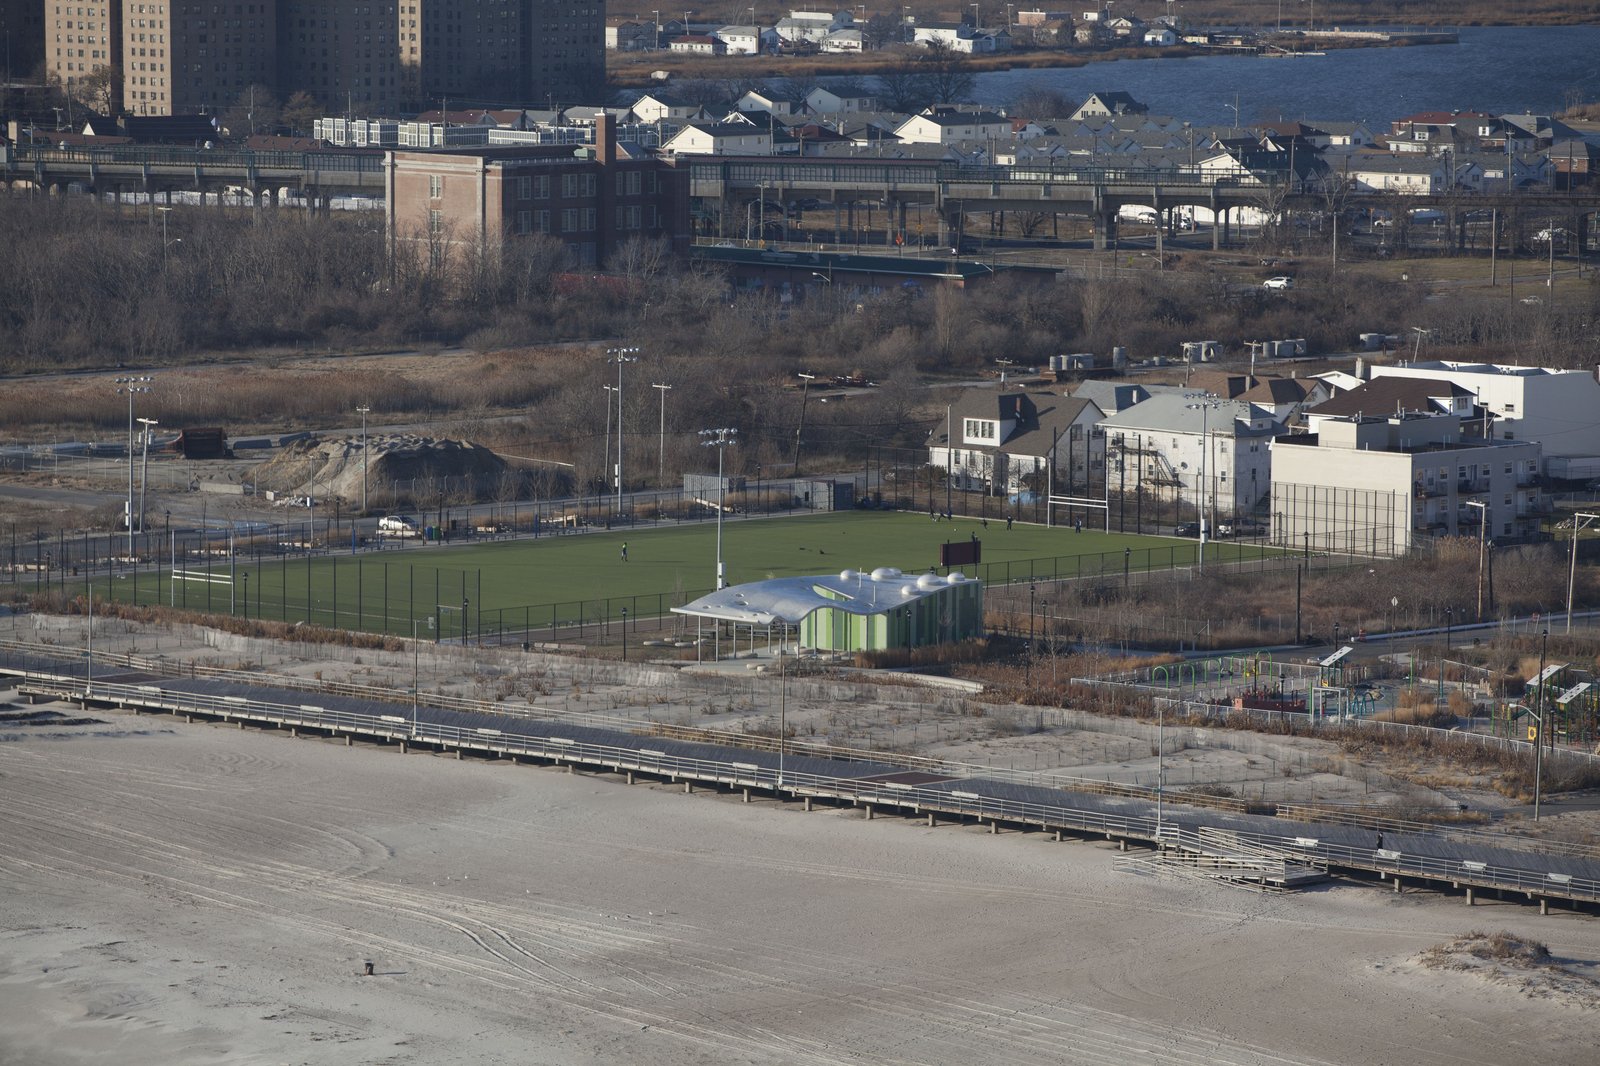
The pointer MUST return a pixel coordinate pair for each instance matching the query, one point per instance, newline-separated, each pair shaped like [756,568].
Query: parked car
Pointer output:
[1187,529]
[1281,282]
[398,525]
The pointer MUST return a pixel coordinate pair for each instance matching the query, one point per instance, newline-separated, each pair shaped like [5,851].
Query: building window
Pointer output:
[525,188]
[435,186]
[435,222]
[524,222]
[569,186]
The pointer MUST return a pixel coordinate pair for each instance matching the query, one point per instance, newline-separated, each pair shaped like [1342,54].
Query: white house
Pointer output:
[667,107]
[949,126]
[1101,104]
[1008,442]
[720,138]
[847,40]
[699,44]
[631,37]
[1160,37]
[748,40]
[960,37]
[773,104]
[822,101]
[813,26]
[1208,452]
[1405,175]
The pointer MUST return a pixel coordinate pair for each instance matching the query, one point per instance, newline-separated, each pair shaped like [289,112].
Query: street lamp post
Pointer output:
[783,710]
[661,447]
[720,439]
[1027,660]
[620,356]
[416,675]
[1572,572]
[131,386]
[364,409]
[1483,531]
[1161,764]
[1538,742]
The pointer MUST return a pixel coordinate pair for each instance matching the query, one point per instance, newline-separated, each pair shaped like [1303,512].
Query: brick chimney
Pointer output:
[605,138]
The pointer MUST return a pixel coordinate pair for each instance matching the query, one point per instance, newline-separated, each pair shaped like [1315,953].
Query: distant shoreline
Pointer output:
[638,73]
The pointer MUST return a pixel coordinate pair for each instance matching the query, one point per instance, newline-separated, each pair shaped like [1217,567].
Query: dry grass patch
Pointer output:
[1510,961]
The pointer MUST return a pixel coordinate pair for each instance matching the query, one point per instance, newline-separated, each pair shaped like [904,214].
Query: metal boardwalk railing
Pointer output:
[874,786]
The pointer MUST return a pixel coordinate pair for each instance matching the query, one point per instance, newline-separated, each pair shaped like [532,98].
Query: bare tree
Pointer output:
[903,85]
[949,76]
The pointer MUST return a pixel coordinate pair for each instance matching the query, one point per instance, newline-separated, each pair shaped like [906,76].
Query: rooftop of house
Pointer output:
[1386,396]
[1188,412]
[1037,418]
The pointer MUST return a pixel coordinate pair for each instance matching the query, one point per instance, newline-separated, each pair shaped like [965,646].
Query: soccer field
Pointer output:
[557,577]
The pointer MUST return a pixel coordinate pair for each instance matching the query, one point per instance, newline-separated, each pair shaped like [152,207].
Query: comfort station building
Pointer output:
[850,611]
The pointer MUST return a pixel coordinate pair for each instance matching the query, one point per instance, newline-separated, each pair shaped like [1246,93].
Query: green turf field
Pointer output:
[666,566]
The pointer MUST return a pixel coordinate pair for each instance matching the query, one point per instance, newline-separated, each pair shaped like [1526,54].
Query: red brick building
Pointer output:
[593,198]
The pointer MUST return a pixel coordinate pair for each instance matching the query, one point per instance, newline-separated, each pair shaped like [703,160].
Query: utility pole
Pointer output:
[661,448]
[805,393]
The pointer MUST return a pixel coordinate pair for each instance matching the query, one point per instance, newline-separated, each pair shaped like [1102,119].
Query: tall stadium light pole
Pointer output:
[1204,406]
[620,356]
[1572,572]
[721,440]
[364,409]
[661,447]
[144,467]
[131,386]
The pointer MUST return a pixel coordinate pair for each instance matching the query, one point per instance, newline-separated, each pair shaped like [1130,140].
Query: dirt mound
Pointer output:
[328,468]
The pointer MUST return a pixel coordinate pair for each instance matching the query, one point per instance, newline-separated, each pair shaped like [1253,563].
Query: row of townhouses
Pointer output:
[1371,464]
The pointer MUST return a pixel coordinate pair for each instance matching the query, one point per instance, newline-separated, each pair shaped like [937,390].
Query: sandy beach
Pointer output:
[198,894]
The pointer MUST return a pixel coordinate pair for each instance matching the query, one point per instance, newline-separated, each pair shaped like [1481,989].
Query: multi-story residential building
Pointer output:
[22,27]
[81,38]
[1555,407]
[1382,484]
[343,52]
[188,58]
[1008,442]
[1212,454]
[591,198]
[367,56]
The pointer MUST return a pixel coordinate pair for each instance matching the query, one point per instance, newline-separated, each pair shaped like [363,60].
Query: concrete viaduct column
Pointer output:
[1104,223]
